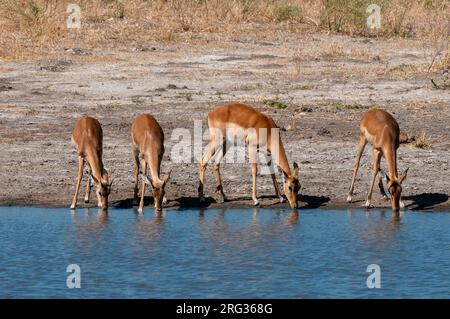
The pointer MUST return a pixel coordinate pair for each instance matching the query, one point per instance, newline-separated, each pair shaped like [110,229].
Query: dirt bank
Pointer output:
[327,82]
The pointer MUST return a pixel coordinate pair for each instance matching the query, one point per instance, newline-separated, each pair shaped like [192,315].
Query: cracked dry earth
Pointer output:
[327,81]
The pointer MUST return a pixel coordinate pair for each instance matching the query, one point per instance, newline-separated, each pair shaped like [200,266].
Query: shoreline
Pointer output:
[240,204]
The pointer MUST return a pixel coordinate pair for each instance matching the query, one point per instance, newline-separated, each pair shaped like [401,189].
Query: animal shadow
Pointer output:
[128,202]
[313,201]
[189,202]
[425,201]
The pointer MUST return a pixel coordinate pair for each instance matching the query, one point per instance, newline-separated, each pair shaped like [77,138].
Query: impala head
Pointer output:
[158,188]
[395,189]
[103,190]
[291,186]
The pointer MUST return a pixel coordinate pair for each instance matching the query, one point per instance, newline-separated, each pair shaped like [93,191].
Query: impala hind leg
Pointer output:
[144,171]
[79,177]
[211,150]
[218,156]
[376,168]
[362,145]
[88,183]
[136,176]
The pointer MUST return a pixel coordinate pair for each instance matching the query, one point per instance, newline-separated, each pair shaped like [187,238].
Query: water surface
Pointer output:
[233,253]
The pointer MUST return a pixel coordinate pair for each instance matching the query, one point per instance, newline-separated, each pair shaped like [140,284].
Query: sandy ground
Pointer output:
[327,81]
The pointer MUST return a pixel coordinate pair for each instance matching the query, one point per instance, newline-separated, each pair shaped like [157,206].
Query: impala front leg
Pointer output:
[274,179]
[144,171]
[362,145]
[136,177]
[380,184]
[79,177]
[219,187]
[88,183]
[376,160]
[254,172]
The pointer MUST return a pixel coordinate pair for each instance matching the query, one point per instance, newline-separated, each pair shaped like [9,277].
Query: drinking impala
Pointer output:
[87,136]
[242,122]
[381,130]
[147,138]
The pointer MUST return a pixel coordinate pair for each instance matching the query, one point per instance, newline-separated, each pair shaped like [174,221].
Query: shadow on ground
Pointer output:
[313,201]
[425,201]
[128,202]
[188,202]
[305,202]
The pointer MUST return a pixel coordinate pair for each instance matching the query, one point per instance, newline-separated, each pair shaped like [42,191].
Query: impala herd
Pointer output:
[229,123]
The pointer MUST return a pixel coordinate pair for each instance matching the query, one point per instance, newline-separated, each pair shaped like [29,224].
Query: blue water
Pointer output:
[233,253]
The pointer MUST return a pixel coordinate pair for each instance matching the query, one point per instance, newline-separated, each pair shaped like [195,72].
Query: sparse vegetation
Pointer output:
[340,105]
[285,12]
[137,100]
[38,27]
[276,104]
[187,96]
[422,140]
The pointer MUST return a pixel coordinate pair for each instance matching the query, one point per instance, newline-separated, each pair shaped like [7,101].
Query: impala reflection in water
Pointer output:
[218,253]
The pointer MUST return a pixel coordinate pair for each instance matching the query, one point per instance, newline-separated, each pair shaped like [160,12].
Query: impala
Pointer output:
[87,136]
[242,122]
[381,130]
[147,138]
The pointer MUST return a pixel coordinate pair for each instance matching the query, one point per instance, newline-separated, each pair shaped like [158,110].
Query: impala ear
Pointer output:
[167,177]
[403,175]
[296,170]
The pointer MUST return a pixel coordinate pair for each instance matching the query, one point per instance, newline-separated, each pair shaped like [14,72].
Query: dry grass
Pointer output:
[423,140]
[38,27]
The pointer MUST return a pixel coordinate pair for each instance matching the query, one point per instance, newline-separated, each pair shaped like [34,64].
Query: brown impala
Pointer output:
[147,138]
[245,123]
[87,136]
[381,130]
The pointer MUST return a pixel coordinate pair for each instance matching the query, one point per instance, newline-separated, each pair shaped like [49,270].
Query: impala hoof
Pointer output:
[72,206]
[367,204]
[282,200]
[255,202]
[385,197]
[86,200]
[349,199]
[140,210]
[402,205]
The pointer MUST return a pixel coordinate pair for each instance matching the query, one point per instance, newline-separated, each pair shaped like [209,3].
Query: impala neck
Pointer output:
[391,159]
[154,164]
[281,159]
[95,161]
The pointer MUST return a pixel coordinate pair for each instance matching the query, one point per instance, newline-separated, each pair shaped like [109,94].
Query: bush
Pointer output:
[285,12]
